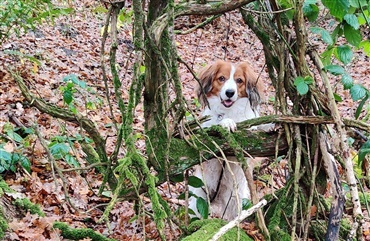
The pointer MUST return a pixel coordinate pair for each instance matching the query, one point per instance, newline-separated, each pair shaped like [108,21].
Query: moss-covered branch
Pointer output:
[193,8]
[64,114]
[79,233]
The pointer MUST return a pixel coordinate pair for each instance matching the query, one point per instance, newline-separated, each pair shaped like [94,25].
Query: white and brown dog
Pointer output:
[230,94]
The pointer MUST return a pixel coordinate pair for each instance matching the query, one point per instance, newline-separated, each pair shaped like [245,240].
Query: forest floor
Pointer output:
[71,45]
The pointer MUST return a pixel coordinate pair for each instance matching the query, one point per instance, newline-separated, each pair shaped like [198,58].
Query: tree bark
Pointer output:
[155,92]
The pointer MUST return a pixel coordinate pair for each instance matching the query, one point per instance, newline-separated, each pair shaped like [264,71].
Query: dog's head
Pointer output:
[229,82]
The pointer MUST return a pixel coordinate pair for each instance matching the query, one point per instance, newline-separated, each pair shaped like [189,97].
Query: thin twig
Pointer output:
[297,171]
[244,214]
[54,166]
[267,12]
[202,24]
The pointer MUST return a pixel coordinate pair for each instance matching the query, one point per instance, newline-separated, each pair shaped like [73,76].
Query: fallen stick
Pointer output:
[243,215]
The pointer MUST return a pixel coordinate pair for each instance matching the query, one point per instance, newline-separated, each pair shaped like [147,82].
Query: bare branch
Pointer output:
[244,214]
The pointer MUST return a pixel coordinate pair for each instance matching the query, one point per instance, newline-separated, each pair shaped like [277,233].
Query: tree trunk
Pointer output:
[155,92]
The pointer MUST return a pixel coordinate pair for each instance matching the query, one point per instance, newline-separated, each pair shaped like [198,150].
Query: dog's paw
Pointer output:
[229,124]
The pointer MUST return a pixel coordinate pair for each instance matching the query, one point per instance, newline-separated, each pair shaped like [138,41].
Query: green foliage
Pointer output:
[302,84]
[79,233]
[202,207]
[195,181]
[364,150]
[366,46]
[205,229]
[344,54]
[20,16]
[279,212]
[246,204]
[3,225]
[337,8]
[60,149]
[72,85]
[335,69]
[10,160]
[325,35]
[350,16]
[70,88]
[310,10]
[27,205]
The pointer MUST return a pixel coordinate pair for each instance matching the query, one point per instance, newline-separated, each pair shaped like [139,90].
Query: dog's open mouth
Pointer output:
[227,103]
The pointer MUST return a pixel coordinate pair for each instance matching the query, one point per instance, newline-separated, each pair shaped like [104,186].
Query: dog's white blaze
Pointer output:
[230,85]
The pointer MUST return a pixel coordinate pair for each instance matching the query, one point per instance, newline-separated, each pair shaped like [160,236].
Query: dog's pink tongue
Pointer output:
[228,103]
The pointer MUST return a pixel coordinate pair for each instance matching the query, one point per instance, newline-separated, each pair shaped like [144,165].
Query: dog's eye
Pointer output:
[239,80]
[221,78]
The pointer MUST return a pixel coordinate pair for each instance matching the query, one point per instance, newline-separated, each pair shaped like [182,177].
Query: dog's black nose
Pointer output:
[230,93]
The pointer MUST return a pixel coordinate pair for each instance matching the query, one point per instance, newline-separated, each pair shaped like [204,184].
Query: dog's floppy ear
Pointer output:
[254,86]
[206,76]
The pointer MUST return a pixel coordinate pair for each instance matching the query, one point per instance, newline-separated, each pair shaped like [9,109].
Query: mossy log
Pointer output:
[79,233]
[205,229]
[187,153]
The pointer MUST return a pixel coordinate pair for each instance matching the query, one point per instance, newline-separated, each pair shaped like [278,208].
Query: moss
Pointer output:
[26,204]
[4,187]
[79,233]
[318,229]
[3,222]
[3,225]
[205,229]
[278,213]
[364,199]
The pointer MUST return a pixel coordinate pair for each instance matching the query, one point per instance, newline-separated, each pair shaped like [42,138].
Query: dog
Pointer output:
[230,93]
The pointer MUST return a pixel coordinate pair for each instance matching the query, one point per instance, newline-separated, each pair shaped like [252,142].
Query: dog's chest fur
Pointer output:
[239,111]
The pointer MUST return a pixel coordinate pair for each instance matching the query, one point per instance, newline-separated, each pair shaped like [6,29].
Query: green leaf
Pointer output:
[308,80]
[202,207]
[347,81]
[337,32]
[352,35]
[302,87]
[25,163]
[326,56]
[366,46]
[357,92]
[246,204]
[14,136]
[310,11]
[4,155]
[59,150]
[352,20]
[335,69]
[364,18]
[298,80]
[337,97]
[361,106]
[356,3]
[142,69]
[181,196]
[75,80]
[364,150]
[337,8]
[302,84]
[325,35]
[195,181]
[344,54]
[67,96]
[177,178]
[71,160]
